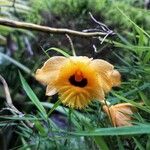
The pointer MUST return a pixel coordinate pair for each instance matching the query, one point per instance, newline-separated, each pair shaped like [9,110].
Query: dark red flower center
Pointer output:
[80,83]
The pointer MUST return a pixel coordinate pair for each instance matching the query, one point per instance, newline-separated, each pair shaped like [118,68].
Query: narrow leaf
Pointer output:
[132,130]
[32,96]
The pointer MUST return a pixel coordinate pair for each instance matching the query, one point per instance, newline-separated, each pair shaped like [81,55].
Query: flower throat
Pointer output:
[78,80]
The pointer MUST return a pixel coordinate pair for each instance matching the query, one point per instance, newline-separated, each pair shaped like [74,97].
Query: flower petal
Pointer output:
[111,114]
[115,77]
[105,82]
[123,119]
[48,73]
[51,90]
[120,114]
[82,59]
[101,65]
[108,76]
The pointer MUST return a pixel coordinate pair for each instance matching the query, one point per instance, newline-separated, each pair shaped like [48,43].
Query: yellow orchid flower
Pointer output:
[78,79]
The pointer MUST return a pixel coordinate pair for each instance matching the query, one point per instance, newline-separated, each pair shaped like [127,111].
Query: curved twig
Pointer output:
[31,26]
[11,107]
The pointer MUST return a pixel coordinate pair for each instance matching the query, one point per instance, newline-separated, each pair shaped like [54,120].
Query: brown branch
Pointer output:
[31,26]
[11,107]
[8,97]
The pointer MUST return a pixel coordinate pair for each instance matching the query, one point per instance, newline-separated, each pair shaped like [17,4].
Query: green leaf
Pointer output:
[132,130]
[32,96]
[148,143]
[22,118]
[138,144]
[39,126]
[144,98]
[65,111]
[18,64]
[132,21]
[54,107]
[147,56]
[120,144]
[138,105]
[25,144]
[59,50]
[100,143]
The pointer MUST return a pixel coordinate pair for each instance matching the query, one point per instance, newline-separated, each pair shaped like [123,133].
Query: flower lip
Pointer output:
[79,83]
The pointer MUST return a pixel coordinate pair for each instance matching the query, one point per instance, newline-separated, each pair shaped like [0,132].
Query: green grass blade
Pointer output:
[132,130]
[32,96]
[100,143]
[148,143]
[16,63]
[147,57]
[59,51]
[132,22]
[120,144]
[41,128]
[22,118]
[54,107]
[144,98]
[65,111]
[138,144]
[138,105]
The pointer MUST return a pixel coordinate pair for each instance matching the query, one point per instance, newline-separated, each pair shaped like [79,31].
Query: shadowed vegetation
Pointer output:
[42,122]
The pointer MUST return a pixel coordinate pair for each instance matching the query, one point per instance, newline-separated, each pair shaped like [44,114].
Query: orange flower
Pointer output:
[77,79]
[120,114]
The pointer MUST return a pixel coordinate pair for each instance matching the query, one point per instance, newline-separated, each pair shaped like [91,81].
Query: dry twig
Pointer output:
[8,97]
[11,107]
[31,26]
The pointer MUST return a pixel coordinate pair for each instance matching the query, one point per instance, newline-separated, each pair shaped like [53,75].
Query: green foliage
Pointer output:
[58,127]
[137,130]
[14,9]
[32,96]
[68,6]
[137,14]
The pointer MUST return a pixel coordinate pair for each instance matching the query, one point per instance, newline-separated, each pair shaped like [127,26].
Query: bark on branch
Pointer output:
[35,27]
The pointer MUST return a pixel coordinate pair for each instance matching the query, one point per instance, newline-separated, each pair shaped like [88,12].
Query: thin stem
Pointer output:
[71,44]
